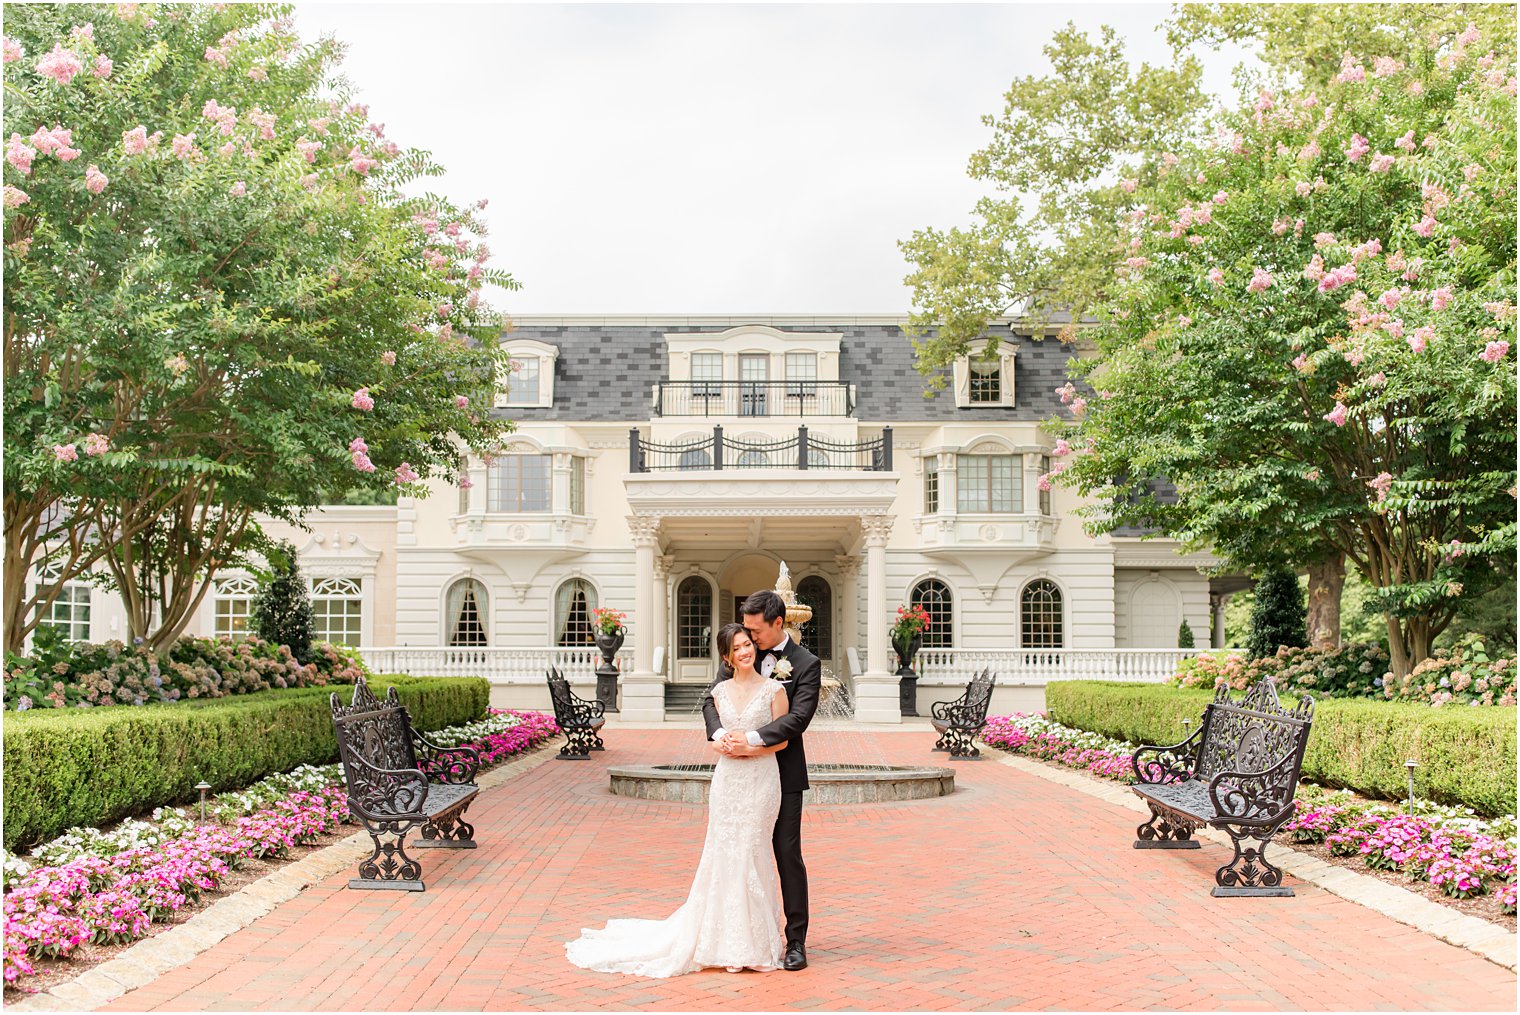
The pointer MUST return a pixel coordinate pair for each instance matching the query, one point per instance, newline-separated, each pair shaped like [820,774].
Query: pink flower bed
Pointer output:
[1038,737]
[112,900]
[1460,863]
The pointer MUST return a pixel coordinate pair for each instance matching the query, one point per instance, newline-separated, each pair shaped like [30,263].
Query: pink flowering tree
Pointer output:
[208,254]
[1311,334]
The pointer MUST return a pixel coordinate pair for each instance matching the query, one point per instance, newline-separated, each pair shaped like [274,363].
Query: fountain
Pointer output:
[831,782]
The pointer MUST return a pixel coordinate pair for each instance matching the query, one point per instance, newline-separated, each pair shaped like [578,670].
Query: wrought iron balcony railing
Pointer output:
[754,398]
[800,451]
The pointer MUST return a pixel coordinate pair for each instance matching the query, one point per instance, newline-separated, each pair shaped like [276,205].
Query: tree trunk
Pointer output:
[1327,578]
[1409,643]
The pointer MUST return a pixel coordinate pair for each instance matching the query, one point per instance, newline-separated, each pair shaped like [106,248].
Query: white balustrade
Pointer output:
[1040,666]
[499,665]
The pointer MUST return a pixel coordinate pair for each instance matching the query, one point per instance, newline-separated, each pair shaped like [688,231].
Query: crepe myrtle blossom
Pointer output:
[15,197]
[1336,415]
[57,142]
[1377,380]
[20,154]
[1381,484]
[1441,298]
[1351,70]
[65,453]
[61,64]
[1359,146]
[1337,277]
[1261,280]
[388,357]
[238,189]
[1216,276]
[1494,352]
[1302,365]
[136,140]
[359,162]
[461,402]
[308,148]
[1381,163]
[12,50]
[404,474]
[96,444]
[103,67]
[1420,337]
[362,400]
[183,145]
[1067,391]
[1426,226]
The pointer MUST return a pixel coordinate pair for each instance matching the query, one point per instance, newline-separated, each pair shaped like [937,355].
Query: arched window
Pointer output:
[818,633]
[1041,623]
[573,604]
[466,610]
[694,619]
[696,458]
[753,460]
[234,606]
[337,611]
[934,596]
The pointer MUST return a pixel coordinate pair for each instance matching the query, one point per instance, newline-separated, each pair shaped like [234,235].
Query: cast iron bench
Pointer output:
[959,722]
[579,720]
[397,779]
[1238,772]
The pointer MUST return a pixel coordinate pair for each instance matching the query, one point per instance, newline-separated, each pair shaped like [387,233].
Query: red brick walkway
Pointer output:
[1013,893]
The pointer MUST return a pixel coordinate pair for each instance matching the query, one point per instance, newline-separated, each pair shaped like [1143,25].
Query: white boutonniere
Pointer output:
[783,669]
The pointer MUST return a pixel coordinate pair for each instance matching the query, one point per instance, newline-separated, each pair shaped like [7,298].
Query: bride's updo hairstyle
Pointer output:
[726,635]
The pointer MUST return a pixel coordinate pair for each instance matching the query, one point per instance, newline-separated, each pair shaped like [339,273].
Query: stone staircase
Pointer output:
[684,700]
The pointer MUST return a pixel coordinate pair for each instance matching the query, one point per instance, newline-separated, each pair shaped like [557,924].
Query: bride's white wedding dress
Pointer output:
[732,916]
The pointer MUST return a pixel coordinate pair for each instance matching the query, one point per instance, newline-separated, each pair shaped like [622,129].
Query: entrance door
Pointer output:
[754,371]
[695,654]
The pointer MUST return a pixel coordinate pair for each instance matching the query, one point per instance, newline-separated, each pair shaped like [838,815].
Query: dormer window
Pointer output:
[801,374]
[706,374]
[530,382]
[982,381]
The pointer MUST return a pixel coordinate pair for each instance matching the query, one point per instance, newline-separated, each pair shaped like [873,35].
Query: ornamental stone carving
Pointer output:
[876,529]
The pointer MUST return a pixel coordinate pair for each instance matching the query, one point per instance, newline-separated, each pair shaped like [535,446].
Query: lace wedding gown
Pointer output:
[732,916]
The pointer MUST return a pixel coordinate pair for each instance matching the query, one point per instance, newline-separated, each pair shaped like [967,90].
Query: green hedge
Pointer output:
[94,766]
[1466,755]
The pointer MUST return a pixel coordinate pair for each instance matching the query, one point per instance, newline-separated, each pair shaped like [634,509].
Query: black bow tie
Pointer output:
[769,653]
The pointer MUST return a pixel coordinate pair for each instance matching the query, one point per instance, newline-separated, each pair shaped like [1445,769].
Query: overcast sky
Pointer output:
[705,158]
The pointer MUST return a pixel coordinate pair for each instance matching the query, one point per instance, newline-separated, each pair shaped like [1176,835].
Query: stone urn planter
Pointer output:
[607,672]
[907,679]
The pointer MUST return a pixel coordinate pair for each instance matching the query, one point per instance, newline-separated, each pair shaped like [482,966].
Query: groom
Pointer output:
[764,614]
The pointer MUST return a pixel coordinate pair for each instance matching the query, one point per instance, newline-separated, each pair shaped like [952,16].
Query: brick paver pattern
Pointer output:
[1015,893]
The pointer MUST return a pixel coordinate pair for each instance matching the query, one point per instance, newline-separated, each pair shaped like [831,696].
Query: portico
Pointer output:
[681,519]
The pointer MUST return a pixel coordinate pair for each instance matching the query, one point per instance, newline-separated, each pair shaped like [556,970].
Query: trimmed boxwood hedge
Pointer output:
[94,766]
[1466,755]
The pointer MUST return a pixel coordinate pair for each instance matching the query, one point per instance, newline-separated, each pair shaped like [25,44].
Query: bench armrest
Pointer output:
[1258,798]
[584,711]
[449,765]
[383,794]
[962,716]
[939,708]
[1153,764]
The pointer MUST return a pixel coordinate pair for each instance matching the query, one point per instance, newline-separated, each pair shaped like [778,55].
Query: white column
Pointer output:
[662,566]
[847,606]
[643,689]
[1217,603]
[876,698]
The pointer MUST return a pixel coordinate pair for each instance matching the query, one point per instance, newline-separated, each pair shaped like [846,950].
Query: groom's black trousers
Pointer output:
[787,843]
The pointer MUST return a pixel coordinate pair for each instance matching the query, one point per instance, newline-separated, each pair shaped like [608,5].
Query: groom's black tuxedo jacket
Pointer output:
[802,690]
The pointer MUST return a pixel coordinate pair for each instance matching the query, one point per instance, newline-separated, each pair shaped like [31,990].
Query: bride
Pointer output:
[732,916]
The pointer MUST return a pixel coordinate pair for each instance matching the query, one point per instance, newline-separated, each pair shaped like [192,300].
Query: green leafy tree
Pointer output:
[1185,635]
[1277,617]
[223,298]
[1312,339]
[282,612]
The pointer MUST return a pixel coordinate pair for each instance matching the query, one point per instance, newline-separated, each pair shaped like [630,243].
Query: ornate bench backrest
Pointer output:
[559,692]
[979,694]
[1254,733]
[377,733]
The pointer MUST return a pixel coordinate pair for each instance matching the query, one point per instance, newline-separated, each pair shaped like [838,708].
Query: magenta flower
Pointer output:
[61,64]
[465,482]
[1336,415]
[461,402]
[1494,352]
[362,400]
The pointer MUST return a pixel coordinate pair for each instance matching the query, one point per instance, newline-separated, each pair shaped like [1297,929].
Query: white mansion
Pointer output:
[663,466]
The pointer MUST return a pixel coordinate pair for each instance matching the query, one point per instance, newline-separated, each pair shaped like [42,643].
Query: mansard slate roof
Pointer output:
[606,372]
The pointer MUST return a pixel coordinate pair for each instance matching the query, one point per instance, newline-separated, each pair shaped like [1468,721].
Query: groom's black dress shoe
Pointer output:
[796,957]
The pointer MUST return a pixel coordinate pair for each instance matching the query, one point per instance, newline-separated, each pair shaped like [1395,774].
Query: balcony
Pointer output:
[720,452]
[754,398]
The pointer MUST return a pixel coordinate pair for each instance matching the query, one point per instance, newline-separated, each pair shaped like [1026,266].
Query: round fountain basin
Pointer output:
[829,784]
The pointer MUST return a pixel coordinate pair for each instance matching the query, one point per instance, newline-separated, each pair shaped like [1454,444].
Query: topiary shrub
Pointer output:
[282,612]
[1184,636]
[1278,618]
